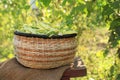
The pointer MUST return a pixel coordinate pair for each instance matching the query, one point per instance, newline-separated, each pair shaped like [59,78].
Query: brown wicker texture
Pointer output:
[44,53]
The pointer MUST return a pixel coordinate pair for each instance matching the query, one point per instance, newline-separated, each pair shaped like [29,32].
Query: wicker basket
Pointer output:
[43,52]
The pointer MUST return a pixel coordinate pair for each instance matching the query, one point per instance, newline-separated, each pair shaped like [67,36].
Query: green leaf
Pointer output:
[115,5]
[105,53]
[118,77]
[44,25]
[64,2]
[27,7]
[113,39]
[4,1]
[69,32]
[112,69]
[71,1]
[90,8]
[45,2]
[76,10]
[115,23]
[107,10]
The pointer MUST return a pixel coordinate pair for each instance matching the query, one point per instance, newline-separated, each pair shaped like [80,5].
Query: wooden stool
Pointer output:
[77,69]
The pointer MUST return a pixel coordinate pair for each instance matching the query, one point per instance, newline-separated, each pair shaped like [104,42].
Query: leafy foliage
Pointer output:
[115,32]
[45,2]
[46,29]
[80,15]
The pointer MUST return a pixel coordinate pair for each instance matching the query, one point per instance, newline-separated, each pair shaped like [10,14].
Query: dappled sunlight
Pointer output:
[95,21]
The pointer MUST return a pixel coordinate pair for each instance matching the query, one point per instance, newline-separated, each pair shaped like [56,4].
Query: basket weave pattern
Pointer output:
[44,53]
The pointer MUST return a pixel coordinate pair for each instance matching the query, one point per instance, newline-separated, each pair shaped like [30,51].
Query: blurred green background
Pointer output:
[97,22]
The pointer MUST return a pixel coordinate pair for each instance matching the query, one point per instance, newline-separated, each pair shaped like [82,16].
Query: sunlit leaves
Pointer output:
[13,14]
[46,29]
[111,9]
[78,9]
[90,6]
[69,14]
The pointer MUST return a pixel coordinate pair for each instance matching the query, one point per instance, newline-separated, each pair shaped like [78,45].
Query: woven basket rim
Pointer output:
[45,36]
